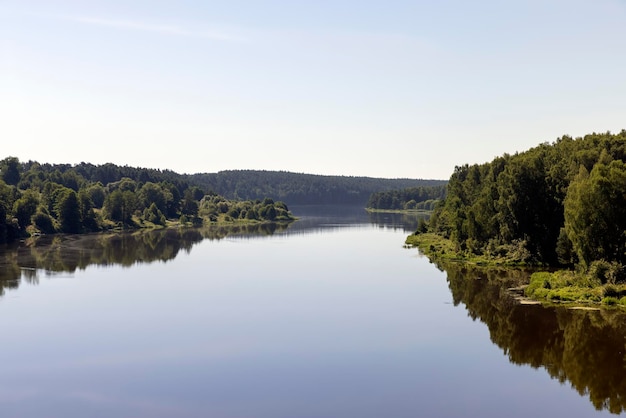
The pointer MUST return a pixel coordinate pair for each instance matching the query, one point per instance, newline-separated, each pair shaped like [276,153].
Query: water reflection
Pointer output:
[585,348]
[314,218]
[53,254]
[49,255]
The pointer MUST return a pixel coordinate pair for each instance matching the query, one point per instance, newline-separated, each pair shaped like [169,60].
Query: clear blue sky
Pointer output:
[383,89]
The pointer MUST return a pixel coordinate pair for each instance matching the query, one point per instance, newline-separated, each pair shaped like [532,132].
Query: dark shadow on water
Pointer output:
[580,347]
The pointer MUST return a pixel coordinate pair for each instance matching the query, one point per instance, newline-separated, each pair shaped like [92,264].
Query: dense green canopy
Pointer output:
[561,202]
[45,198]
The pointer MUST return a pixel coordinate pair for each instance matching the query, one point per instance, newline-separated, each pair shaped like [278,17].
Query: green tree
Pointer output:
[68,210]
[87,214]
[595,213]
[25,207]
[43,221]
[10,170]
[154,215]
[120,205]
[96,194]
[153,193]
[189,204]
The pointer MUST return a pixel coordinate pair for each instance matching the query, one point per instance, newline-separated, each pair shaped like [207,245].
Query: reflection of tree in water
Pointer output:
[583,347]
[405,220]
[56,254]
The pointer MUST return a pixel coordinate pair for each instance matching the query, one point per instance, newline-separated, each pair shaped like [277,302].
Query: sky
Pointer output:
[393,89]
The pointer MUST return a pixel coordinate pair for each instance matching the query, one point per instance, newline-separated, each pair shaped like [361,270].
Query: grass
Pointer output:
[561,286]
[574,287]
[437,247]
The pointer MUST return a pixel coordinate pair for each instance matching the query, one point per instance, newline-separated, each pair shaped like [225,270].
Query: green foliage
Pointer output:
[557,203]
[422,197]
[96,194]
[607,272]
[154,215]
[25,207]
[85,197]
[215,207]
[68,211]
[43,221]
[610,301]
[10,170]
[119,206]
[87,213]
[595,212]
[300,189]
[153,193]
[189,205]
[569,286]
[422,226]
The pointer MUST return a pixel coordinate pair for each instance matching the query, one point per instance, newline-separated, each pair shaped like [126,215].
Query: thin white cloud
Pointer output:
[217,34]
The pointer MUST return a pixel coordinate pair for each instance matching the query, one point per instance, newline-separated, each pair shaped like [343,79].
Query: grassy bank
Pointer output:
[437,247]
[567,286]
[601,284]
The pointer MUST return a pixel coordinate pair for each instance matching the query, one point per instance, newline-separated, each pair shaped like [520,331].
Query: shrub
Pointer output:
[44,222]
[610,301]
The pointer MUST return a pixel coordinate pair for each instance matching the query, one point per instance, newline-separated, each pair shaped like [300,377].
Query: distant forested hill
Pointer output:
[292,188]
[295,188]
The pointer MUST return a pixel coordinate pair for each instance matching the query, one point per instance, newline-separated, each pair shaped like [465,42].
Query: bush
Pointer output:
[44,222]
[606,272]
[610,301]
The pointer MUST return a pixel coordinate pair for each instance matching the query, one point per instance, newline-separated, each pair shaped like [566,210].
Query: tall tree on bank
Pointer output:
[595,213]
[547,202]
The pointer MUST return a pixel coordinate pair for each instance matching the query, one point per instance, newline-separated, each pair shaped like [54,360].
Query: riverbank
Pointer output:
[407,211]
[436,246]
[599,285]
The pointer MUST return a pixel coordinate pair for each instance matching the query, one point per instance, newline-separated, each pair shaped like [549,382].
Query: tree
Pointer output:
[189,204]
[154,215]
[119,206]
[68,210]
[96,194]
[25,207]
[595,213]
[87,214]
[43,221]
[10,170]
[153,193]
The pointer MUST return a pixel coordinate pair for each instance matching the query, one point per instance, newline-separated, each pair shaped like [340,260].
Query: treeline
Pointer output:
[45,198]
[422,197]
[301,189]
[558,203]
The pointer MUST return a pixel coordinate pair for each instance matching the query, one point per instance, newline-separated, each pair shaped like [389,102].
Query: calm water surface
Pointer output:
[330,317]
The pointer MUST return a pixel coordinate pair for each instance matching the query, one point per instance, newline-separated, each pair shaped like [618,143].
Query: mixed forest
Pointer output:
[413,198]
[43,198]
[301,189]
[560,203]
[47,198]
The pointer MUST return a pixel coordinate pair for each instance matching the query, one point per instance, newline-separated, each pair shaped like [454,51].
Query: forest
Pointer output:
[560,203]
[46,198]
[301,189]
[412,198]
[43,199]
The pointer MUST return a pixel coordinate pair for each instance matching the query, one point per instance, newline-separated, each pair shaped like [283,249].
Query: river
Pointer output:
[330,316]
